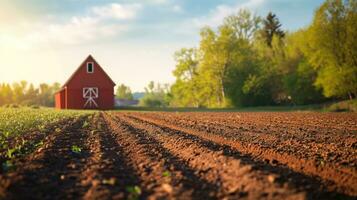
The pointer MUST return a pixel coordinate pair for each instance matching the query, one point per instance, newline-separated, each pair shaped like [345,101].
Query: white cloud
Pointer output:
[158,1]
[177,8]
[117,11]
[78,30]
[98,24]
[221,11]
[150,1]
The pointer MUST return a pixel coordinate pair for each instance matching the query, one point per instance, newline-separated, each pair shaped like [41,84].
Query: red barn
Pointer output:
[89,87]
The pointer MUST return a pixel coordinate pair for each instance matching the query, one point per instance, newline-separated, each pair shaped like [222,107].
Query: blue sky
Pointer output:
[134,40]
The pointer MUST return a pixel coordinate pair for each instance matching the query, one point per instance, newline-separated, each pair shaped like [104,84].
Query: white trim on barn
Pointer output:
[90,93]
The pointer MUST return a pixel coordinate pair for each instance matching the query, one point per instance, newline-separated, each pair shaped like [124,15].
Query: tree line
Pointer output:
[249,61]
[23,93]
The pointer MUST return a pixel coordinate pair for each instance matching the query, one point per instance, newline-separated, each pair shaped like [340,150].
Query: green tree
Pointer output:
[227,59]
[243,24]
[27,94]
[6,94]
[156,95]
[124,92]
[241,64]
[299,75]
[271,28]
[46,94]
[31,95]
[19,91]
[185,89]
[333,48]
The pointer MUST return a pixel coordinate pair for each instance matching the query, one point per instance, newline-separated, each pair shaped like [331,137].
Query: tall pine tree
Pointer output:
[272,27]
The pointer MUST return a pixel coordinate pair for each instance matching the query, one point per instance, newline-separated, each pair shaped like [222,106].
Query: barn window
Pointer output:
[90,67]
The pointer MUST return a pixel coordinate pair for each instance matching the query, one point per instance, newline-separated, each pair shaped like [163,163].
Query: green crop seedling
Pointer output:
[85,124]
[10,153]
[166,174]
[76,149]
[134,191]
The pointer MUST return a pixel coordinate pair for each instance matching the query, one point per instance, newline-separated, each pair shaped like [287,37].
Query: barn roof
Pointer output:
[85,60]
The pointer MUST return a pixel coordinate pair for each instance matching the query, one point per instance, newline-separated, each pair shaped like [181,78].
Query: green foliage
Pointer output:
[186,87]
[85,124]
[134,192]
[156,96]
[76,149]
[217,70]
[227,70]
[18,121]
[124,92]
[244,64]
[166,174]
[299,75]
[14,123]
[243,24]
[333,48]
[10,153]
[22,93]
[272,27]
[299,85]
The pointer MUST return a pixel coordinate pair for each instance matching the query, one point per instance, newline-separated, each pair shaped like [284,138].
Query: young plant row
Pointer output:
[17,124]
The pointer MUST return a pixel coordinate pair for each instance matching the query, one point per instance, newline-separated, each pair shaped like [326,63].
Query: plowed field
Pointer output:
[134,155]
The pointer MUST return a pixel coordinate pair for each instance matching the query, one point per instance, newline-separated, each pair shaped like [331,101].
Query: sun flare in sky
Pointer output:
[133,40]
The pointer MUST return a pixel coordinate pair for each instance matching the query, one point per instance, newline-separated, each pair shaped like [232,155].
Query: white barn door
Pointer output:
[90,94]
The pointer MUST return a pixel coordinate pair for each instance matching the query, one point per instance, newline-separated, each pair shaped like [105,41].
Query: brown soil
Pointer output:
[192,156]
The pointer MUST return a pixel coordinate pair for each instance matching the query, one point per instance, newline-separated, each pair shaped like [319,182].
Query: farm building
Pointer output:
[89,87]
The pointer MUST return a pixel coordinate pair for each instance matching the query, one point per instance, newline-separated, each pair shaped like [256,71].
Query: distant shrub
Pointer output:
[11,106]
[150,101]
[344,106]
[35,106]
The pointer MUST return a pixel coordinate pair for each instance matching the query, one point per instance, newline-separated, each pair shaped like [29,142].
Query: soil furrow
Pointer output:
[235,177]
[163,175]
[107,172]
[327,147]
[155,155]
[52,172]
[336,121]
[337,182]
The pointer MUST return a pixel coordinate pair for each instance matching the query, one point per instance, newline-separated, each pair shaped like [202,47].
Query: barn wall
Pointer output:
[106,98]
[60,100]
[105,101]
[74,99]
